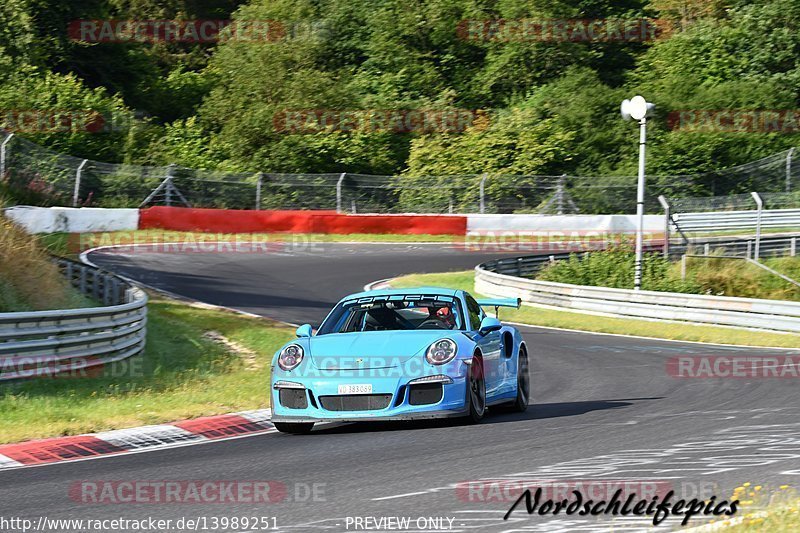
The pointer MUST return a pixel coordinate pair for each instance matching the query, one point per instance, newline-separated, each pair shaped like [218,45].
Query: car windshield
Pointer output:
[392,313]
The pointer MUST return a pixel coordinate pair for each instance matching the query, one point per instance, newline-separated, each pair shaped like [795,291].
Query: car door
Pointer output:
[491,348]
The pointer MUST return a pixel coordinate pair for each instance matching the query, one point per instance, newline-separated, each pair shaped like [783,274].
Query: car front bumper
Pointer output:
[315,399]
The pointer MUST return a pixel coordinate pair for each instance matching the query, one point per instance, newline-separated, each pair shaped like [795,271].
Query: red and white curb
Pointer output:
[134,440]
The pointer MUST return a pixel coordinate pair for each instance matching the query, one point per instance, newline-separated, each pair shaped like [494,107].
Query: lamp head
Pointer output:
[636,108]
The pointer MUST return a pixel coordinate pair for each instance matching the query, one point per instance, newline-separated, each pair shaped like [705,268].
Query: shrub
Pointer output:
[29,279]
[614,267]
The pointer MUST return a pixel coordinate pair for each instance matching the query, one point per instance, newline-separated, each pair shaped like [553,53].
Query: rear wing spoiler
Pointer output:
[500,302]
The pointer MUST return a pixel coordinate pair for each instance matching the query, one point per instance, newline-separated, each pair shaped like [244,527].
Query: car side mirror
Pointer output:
[489,324]
[304,331]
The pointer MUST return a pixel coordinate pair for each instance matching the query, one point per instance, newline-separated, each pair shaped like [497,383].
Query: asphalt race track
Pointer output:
[604,408]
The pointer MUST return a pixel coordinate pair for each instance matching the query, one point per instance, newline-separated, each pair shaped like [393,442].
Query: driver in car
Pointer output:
[443,315]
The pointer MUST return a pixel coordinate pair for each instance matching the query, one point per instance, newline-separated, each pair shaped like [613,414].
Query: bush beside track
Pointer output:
[541,316]
[713,274]
[29,280]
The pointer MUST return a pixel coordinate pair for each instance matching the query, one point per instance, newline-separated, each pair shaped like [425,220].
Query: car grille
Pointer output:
[425,393]
[293,398]
[355,402]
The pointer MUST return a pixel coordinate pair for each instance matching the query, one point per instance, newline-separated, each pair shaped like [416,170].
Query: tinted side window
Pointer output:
[475,312]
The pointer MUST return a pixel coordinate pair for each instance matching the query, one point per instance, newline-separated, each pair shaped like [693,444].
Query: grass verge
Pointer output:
[29,280]
[183,373]
[540,316]
[68,244]
[778,511]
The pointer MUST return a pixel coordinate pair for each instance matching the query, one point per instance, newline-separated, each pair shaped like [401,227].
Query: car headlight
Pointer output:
[290,357]
[441,352]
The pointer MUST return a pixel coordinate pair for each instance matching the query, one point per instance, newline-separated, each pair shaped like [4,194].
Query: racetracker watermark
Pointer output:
[309,121]
[548,241]
[563,30]
[785,121]
[63,121]
[733,366]
[132,242]
[113,492]
[510,489]
[46,366]
[182,31]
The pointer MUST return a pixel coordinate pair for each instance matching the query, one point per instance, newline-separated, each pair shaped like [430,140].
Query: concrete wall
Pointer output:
[88,219]
[72,220]
[562,223]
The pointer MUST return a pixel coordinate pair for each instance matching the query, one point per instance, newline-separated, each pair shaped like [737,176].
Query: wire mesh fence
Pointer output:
[38,176]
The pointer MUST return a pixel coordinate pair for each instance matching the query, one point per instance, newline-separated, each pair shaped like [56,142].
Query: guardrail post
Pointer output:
[789,170]
[683,267]
[749,249]
[258,190]
[4,154]
[168,187]
[95,286]
[482,188]
[77,191]
[106,291]
[706,249]
[339,192]
[519,267]
[760,204]
[353,207]
[82,280]
[665,205]
[793,247]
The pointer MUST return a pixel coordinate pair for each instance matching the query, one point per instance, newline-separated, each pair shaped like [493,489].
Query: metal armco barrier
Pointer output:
[44,343]
[501,279]
[776,246]
[737,220]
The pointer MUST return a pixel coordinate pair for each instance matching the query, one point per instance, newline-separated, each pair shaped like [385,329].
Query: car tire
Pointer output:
[520,404]
[295,428]
[476,390]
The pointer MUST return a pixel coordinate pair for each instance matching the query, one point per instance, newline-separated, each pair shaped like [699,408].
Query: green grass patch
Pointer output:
[714,274]
[736,277]
[182,374]
[761,510]
[614,267]
[540,316]
[66,244]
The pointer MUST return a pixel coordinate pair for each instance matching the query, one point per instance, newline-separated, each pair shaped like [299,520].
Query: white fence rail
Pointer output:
[715,310]
[737,220]
[50,342]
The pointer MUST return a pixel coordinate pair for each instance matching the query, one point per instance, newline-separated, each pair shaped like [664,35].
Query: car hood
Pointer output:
[371,349]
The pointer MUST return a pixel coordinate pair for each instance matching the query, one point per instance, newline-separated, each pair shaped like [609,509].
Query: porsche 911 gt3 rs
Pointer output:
[400,354]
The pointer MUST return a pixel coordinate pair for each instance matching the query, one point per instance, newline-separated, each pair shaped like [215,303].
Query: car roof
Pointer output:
[438,291]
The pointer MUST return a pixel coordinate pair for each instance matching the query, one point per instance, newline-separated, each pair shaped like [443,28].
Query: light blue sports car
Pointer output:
[400,354]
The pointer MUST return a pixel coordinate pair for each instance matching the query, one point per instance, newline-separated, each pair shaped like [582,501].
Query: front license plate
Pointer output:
[355,389]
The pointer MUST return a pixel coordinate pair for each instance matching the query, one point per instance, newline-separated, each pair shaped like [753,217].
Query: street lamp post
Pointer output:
[637,108]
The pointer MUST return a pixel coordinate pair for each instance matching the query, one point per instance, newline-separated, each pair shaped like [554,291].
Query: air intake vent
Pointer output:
[355,402]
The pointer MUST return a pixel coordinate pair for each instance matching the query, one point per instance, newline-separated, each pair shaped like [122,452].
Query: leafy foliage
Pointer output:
[614,267]
[552,106]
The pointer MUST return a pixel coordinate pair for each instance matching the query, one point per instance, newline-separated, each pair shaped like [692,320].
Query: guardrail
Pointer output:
[737,220]
[780,245]
[44,343]
[501,278]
